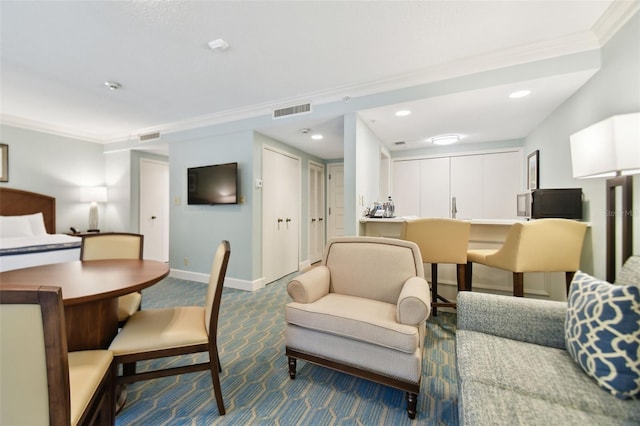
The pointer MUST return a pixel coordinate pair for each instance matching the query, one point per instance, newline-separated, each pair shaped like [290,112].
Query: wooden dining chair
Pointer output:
[42,383]
[116,245]
[173,331]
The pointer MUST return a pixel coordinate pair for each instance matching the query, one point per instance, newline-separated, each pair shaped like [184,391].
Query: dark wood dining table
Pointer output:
[90,291]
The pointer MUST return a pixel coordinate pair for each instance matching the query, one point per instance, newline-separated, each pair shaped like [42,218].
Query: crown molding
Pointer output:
[614,18]
[38,126]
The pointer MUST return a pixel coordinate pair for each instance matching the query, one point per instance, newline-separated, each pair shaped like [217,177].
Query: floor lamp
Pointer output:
[611,149]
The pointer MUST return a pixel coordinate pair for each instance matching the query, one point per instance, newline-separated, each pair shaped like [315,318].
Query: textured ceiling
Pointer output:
[55,57]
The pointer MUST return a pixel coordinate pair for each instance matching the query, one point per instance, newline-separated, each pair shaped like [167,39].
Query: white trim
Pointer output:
[228,282]
[613,19]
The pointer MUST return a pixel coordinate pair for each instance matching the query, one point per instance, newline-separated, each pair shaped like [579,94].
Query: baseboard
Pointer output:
[228,282]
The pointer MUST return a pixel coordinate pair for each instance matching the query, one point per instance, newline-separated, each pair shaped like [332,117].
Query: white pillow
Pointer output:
[15,226]
[37,224]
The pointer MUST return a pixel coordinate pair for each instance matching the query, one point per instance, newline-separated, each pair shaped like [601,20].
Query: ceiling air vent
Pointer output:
[149,136]
[400,143]
[291,110]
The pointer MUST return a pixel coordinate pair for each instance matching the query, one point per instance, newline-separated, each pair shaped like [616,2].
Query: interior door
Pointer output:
[335,195]
[316,212]
[280,214]
[154,209]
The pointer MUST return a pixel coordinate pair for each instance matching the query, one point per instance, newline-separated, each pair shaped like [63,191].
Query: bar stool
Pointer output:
[542,245]
[440,240]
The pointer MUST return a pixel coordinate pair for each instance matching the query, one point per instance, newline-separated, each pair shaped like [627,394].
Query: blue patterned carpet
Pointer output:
[255,380]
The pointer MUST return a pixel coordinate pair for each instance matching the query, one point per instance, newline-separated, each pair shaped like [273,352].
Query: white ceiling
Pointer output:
[56,55]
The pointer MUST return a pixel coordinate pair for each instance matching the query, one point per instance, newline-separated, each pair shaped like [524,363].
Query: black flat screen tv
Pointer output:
[214,184]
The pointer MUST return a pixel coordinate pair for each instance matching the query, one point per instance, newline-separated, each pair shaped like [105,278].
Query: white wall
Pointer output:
[56,166]
[615,89]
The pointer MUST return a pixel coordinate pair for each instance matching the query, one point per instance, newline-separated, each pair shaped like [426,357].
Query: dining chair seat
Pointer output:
[128,305]
[86,372]
[159,329]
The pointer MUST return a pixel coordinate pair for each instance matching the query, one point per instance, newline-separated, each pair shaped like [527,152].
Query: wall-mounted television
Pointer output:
[214,184]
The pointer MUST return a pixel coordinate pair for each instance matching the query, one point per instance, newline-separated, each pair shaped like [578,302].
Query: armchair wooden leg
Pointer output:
[412,405]
[568,277]
[518,284]
[292,368]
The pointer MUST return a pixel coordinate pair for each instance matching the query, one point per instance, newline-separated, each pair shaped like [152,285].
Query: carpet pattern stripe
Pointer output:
[256,386]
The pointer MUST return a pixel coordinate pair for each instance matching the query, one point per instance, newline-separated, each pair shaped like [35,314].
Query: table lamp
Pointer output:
[611,149]
[93,195]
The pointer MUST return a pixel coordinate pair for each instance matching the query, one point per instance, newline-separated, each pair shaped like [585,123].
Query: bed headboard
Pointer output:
[14,202]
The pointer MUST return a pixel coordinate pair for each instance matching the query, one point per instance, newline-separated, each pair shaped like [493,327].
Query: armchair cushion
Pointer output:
[414,302]
[602,333]
[310,286]
[356,318]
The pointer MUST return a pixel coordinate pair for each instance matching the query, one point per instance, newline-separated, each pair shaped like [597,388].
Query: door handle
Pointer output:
[153,217]
[313,219]
[320,219]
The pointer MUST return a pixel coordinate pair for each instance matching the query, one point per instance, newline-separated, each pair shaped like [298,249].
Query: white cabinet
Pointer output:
[484,186]
[316,212]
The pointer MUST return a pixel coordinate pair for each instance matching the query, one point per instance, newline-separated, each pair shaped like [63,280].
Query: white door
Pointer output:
[335,195]
[406,187]
[467,186]
[280,214]
[154,209]
[316,212]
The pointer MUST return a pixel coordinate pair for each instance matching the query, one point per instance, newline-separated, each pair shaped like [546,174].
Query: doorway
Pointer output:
[154,209]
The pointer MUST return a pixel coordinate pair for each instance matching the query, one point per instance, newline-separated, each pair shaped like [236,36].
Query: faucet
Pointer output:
[454,209]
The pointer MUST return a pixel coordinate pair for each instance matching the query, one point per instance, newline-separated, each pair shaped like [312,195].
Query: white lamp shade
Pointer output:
[607,147]
[94,194]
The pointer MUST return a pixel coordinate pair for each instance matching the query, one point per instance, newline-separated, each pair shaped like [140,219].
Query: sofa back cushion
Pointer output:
[602,333]
[374,268]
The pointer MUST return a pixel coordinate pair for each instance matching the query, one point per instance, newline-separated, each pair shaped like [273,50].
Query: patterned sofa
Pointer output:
[515,357]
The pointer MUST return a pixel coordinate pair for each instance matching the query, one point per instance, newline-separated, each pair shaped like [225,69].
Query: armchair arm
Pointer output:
[528,320]
[414,302]
[310,286]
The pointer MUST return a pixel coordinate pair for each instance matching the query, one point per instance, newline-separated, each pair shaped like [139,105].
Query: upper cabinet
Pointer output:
[482,186]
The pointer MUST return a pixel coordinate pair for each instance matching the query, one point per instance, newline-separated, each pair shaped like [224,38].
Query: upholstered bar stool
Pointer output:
[440,241]
[542,245]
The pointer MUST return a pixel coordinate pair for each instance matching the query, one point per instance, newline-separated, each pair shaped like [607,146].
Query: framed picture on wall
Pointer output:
[4,162]
[533,169]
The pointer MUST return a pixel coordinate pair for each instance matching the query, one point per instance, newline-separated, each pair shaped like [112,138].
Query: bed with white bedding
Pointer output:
[27,232]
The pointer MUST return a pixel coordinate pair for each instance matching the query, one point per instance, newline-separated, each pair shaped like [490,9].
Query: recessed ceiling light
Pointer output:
[403,113]
[520,94]
[218,45]
[444,139]
[316,136]
[113,85]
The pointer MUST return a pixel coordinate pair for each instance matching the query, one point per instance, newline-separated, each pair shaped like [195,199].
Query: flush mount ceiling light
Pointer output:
[317,136]
[520,94]
[444,139]
[113,85]
[403,113]
[218,45]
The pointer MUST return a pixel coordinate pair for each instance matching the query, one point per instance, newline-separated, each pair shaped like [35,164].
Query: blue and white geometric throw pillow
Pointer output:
[602,333]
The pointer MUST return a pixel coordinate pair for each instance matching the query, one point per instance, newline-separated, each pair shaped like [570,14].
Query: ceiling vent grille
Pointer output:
[400,143]
[149,136]
[291,110]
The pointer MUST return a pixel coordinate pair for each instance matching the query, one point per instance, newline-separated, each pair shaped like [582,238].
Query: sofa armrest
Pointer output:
[528,320]
[414,302]
[310,286]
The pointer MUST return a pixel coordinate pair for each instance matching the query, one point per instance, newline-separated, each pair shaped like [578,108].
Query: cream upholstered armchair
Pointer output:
[362,312]
[542,245]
